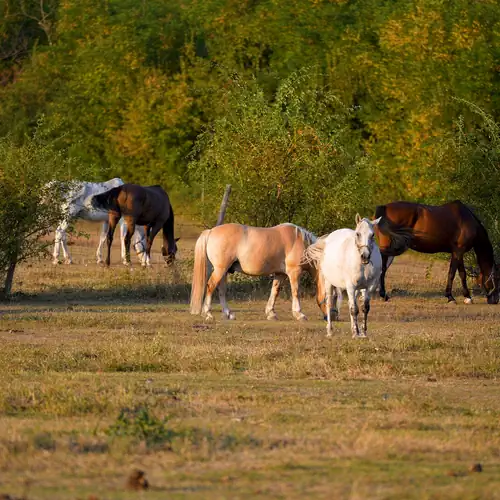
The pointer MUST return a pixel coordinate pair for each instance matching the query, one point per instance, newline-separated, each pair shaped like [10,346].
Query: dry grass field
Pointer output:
[104,371]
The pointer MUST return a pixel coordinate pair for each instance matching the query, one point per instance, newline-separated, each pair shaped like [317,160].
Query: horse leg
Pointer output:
[354,311]
[123,235]
[59,237]
[328,300]
[385,266]
[337,301]
[113,221]
[139,240]
[102,238]
[451,276]
[130,224]
[275,290]
[215,278]
[463,277]
[365,308]
[294,275]
[226,312]
[151,234]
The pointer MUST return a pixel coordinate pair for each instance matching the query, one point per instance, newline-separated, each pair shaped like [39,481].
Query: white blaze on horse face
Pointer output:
[364,236]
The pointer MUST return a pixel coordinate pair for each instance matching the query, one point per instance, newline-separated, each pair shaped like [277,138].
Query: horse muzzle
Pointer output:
[492,298]
[170,259]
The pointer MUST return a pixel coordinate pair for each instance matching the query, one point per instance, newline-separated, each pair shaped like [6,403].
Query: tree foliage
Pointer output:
[28,209]
[132,84]
[288,160]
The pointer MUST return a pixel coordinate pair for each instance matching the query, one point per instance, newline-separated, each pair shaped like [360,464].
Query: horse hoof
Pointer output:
[55,262]
[386,298]
[301,317]
[272,317]
[231,317]
[68,262]
[468,300]
[329,335]
[452,301]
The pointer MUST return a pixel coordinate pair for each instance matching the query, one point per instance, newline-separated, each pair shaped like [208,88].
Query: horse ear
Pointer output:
[376,221]
[177,239]
[358,219]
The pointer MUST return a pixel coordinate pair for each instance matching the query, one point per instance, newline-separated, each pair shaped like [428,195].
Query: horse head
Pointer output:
[365,237]
[491,285]
[169,255]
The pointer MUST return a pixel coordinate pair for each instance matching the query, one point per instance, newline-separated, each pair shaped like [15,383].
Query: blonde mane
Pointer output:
[307,237]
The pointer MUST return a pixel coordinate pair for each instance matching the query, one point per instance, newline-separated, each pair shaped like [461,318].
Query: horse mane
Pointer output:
[487,242]
[400,236]
[307,237]
[471,210]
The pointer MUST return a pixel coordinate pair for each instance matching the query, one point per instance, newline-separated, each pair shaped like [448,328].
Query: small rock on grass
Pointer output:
[476,468]
[137,480]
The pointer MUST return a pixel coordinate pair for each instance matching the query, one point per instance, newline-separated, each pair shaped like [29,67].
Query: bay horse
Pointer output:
[76,197]
[348,260]
[451,228]
[147,206]
[255,251]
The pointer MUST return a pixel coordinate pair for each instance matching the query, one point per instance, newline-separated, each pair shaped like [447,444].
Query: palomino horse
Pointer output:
[450,228]
[144,206]
[76,204]
[348,260]
[255,251]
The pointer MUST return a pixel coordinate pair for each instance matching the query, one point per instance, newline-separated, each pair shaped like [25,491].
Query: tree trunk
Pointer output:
[9,278]
[223,205]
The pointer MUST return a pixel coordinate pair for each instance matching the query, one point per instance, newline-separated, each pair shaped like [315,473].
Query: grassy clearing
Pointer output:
[248,408]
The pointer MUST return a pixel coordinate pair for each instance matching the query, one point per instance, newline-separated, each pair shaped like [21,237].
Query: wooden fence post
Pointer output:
[223,205]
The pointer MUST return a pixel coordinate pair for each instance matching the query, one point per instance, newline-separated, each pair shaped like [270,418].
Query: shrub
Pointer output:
[290,158]
[25,214]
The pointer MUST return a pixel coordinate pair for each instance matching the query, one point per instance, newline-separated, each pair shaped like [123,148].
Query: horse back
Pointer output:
[258,250]
[434,228]
[145,203]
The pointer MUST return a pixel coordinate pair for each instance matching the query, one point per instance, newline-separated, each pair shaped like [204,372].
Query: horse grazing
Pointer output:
[348,260]
[451,228]
[255,251]
[147,206]
[76,204]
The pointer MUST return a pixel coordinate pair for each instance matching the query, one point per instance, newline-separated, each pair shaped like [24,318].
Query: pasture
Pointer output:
[104,370]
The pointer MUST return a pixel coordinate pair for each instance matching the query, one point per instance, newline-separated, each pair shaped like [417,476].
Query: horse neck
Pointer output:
[484,253]
[168,230]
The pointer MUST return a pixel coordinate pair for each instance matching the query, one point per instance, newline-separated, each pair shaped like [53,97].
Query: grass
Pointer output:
[104,370]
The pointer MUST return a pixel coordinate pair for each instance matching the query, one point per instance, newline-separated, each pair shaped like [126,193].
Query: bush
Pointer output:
[291,158]
[25,216]
[138,423]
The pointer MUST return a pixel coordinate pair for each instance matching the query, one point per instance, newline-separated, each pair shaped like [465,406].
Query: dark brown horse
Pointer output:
[148,206]
[451,228]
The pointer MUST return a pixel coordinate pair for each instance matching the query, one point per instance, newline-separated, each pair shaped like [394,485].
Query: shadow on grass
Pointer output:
[67,297]
[246,289]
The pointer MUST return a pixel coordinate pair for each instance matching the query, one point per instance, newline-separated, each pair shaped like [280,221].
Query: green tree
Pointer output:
[28,210]
[291,159]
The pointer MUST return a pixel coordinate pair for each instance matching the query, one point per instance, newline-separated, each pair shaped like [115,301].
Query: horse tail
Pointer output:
[314,253]
[400,236]
[199,272]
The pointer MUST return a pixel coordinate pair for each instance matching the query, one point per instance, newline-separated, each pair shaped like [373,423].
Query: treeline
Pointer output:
[312,109]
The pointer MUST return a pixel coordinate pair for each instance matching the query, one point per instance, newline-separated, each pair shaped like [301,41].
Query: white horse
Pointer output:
[348,260]
[76,204]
